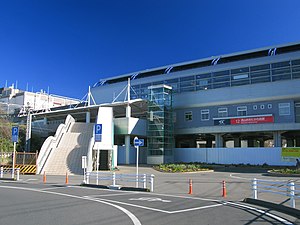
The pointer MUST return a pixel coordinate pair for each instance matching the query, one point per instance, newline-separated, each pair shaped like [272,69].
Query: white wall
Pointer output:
[253,156]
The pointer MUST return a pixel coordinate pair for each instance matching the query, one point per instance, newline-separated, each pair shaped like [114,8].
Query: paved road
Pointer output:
[30,201]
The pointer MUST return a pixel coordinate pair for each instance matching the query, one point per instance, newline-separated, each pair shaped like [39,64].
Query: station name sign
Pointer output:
[244,120]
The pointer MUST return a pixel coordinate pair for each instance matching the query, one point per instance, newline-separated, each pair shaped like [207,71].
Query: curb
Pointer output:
[275,174]
[121,188]
[280,208]
[10,179]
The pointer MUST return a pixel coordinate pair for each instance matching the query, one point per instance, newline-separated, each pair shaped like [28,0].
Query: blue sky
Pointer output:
[67,45]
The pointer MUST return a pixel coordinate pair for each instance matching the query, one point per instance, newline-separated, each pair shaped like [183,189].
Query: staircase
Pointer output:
[73,145]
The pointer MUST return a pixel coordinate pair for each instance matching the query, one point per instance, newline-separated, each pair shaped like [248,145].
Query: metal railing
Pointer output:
[289,189]
[143,180]
[8,173]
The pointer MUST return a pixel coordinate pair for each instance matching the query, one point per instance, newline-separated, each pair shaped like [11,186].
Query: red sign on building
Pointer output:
[252,120]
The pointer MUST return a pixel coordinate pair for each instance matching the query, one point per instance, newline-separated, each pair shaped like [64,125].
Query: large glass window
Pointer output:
[204,114]
[284,109]
[242,111]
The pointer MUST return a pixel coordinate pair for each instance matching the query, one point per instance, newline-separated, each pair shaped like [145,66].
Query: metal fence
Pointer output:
[118,180]
[9,173]
[289,189]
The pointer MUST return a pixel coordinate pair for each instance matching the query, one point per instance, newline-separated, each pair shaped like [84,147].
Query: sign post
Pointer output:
[84,166]
[137,143]
[15,138]
[98,138]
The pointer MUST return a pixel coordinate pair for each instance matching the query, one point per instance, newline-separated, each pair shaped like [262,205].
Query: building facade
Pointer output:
[245,99]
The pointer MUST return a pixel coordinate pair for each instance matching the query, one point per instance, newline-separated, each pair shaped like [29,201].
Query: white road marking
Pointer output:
[133,218]
[163,211]
[108,195]
[149,199]
[284,221]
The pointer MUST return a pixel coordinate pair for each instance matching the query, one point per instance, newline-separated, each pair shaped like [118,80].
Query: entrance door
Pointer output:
[104,165]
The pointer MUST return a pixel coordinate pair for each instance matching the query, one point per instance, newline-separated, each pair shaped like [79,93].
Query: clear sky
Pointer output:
[67,45]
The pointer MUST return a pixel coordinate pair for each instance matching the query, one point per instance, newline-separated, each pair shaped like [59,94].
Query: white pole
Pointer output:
[97,164]
[151,183]
[254,188]
[137,167]
[13,158]
[18,174]
[292,194]
[1,172]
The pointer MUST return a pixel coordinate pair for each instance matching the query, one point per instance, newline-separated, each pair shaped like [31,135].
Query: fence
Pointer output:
[289,189]
[116,180]
[9,173]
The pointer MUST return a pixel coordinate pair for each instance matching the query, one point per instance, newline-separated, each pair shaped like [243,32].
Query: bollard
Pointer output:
[114,179]
[254,188]
[224,194]
[67,178]
[152,183]
[18,173]
[1,172]
[292,194]
[190,187]
[144,181]
[44,177]
[87,178]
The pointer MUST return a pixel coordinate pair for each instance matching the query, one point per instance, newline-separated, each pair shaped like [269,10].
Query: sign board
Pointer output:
[244,120]
[98,132]
[138,142]
[15,134]
[290,154]
[83,162]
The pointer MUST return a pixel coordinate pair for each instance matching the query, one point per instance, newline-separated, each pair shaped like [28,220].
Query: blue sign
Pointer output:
[15,134]
[98,132]
[138,142]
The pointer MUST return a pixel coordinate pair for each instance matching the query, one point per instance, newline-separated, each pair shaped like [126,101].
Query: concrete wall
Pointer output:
[253,156]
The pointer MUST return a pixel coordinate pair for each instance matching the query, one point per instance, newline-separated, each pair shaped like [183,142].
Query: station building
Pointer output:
[248,99]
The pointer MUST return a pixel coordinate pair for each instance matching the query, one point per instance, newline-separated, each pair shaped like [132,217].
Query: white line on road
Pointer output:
[133,218]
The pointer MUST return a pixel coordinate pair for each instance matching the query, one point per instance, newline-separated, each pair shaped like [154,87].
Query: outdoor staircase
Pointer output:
[66,158]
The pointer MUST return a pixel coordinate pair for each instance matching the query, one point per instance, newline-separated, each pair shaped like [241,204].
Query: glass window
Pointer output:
[202,76]
[262,106]
[240,70]
[269,106]
[260,67]
[187,78]
[296,62]
[222,112]
[240,76]
[281,64]
[240,82]
[188,116]
[284,109]
[205,114]
[255,107]
[260,80]
[242,111]
[220,73]
[260,74]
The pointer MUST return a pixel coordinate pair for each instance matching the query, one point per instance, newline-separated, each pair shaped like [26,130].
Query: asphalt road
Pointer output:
[30,201]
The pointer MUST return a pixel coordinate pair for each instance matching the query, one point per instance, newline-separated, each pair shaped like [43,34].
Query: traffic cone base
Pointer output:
[190,187]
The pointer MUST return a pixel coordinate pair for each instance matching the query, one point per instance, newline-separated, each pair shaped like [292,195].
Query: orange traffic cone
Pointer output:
[44,177]
[67,178]
[224,194]
[190,187]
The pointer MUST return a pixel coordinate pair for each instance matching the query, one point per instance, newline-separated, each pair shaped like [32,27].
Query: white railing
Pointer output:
[144,180]
[9,172]
[51,143]
[279,188]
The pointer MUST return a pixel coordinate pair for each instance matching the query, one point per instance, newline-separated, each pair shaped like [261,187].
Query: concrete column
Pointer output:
[127,149]
[219,140]
[277,139]
[88,117]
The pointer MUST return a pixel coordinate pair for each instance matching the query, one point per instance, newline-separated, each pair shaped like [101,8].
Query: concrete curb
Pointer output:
[275,174]
[11,179]
[280,208]
[121,188]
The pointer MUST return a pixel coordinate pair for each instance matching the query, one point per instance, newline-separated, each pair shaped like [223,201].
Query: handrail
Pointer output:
[275,187]
[51,143]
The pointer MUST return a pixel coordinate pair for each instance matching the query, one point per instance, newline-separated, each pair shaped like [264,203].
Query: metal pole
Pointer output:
[97,165]
[13,158]
[151,183]
[1,172]
[292,194]
[137,167]
[114,179]
[144,181]
[254,188]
